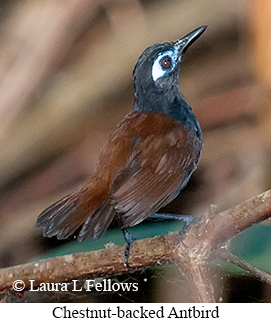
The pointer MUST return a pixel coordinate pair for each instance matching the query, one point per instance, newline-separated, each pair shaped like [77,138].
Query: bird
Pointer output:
[147,159]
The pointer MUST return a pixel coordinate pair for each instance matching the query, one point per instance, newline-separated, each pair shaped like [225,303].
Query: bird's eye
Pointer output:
[166,62]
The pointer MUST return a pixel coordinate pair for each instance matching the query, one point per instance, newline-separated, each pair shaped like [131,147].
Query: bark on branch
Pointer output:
[201,244]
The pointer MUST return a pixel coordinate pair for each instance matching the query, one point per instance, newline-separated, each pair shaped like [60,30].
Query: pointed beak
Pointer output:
[183,43]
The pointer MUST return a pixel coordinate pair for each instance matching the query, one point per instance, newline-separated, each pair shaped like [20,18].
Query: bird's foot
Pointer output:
[188,221]
[129,240]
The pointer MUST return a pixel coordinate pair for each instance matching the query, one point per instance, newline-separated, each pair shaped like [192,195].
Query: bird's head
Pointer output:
[157,69]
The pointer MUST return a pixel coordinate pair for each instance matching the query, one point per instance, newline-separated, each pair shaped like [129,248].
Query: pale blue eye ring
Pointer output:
[162,65]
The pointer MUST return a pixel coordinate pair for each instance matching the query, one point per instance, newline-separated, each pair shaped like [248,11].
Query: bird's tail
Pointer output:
[87,208]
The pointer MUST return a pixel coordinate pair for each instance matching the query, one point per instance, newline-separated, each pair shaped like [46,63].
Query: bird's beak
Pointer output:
[183,43]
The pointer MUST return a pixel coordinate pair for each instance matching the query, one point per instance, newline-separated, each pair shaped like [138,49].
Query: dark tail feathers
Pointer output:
[62,218]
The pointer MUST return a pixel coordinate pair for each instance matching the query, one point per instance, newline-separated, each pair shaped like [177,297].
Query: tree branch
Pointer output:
[105,262]
[192,257]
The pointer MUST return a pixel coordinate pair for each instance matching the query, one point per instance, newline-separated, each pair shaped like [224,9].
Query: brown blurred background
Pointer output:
[66,80]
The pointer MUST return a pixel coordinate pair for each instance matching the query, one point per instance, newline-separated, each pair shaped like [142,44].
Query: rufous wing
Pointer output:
[160,168]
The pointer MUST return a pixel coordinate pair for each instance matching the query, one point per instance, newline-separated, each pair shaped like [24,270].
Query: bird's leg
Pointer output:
[129,240]
[173,217]
[187,219]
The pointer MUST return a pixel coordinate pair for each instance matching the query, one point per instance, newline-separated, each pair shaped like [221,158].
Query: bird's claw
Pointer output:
[188,222]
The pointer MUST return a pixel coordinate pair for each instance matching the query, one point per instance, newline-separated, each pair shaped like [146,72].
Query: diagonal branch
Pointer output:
[214,230]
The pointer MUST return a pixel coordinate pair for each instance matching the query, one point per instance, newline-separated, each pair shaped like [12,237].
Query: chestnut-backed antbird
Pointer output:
[147,159]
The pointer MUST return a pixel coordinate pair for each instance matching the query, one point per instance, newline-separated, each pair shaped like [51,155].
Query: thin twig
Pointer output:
[229,257]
